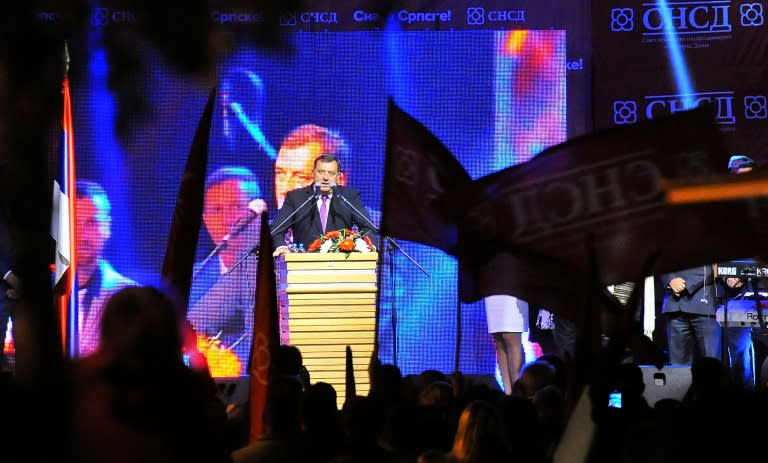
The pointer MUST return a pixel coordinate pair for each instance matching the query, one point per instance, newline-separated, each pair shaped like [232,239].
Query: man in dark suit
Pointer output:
[313,210]
[690,307]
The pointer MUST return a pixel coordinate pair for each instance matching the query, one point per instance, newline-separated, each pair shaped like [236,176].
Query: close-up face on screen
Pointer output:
[495,98]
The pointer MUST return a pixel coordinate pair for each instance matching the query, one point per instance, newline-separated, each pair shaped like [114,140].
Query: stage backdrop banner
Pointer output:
[652,60]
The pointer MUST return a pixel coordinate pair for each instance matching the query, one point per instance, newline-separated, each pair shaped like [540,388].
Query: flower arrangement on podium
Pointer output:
[344,240]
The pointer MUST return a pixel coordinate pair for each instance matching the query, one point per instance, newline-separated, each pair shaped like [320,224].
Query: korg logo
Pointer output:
[751,14]
[622,19]
[687,18]
[755,107]
[624,112]
[475,16]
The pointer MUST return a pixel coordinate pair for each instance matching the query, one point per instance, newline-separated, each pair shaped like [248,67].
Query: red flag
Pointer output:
[266,333]
[63,230]
[606,185]
[418,170]
[182,240]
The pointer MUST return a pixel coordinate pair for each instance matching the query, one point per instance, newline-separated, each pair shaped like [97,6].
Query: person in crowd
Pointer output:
[9,284]
[312,210]
[223,285]
[741,350]
[689,306]
[97,279]
[134,399]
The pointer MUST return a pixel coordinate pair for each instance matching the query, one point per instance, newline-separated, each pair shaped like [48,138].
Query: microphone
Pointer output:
[317,189]
[255,207]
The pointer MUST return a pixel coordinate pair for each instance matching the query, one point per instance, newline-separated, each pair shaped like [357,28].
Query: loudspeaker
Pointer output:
[669,382]
[232,390]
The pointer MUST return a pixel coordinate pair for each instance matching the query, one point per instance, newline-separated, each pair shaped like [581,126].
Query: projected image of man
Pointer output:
[316,207]
[223,284]
[97,279]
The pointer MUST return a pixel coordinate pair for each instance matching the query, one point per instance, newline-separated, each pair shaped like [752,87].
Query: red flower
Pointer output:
[369,242]
[315,245]
[332,235]
[347,245]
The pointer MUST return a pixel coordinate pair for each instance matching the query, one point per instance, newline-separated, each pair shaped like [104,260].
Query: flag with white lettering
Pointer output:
[417,171]
[606,186]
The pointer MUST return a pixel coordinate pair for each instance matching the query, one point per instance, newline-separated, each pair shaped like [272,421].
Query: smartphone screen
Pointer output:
[614,399]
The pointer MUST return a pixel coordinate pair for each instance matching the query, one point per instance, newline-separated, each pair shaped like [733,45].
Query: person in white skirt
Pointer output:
[507,319]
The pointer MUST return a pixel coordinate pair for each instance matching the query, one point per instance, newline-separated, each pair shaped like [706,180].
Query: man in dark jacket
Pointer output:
[690,307]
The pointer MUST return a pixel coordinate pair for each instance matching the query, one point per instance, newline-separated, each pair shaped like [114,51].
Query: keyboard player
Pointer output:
[741,349]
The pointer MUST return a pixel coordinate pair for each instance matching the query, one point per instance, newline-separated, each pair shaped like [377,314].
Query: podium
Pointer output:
[327,301]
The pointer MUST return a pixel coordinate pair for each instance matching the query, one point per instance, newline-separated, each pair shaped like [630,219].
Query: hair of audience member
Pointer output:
[534,376]
[438,394]
[558,365]
[289,360]
[141,324]
[387,383]
[708,379]
[321,421]
[360,423]
[478,435]
[522,431]
[740,161]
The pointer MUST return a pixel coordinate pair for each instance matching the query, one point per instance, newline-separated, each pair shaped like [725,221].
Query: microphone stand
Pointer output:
[392,246]
[376,229]
[253,250]
[219,247]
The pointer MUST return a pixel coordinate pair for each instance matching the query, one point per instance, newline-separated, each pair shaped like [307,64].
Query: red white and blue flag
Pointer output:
[63,230]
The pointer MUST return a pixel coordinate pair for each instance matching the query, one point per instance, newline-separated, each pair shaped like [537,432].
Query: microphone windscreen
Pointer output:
[255,206]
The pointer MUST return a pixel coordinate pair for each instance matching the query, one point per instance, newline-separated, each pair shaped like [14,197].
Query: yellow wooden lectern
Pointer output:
[328,302]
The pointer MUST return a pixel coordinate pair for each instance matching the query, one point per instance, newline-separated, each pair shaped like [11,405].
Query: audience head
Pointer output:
[740,164]
[535,376]
[141,326]
[478,435]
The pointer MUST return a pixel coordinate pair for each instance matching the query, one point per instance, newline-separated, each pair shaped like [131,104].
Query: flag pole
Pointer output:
[457,359]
